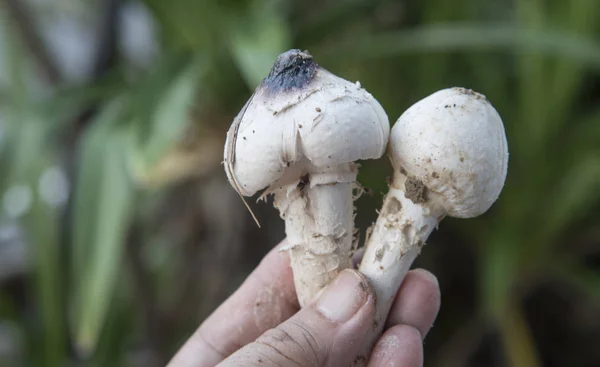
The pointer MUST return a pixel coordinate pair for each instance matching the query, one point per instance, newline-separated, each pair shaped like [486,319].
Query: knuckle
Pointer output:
[208,344]
[308,340]
[293,344]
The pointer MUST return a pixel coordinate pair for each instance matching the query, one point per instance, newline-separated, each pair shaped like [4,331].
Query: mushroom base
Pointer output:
[319,225]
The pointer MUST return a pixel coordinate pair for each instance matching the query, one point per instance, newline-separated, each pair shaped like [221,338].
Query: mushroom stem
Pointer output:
[405,222]
[450,157]
[319,225]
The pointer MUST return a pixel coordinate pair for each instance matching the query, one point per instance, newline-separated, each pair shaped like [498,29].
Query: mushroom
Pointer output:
[299,137]
[450,157]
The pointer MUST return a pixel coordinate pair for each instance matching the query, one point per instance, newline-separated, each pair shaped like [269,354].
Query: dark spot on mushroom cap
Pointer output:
[435,175]
[293,70]
[415,190]
[318,109]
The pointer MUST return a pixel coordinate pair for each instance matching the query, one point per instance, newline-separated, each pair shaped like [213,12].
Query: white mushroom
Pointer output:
[299,137]
[450,157]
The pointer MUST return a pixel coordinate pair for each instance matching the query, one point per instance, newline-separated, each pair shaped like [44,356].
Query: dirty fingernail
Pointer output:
[344,297]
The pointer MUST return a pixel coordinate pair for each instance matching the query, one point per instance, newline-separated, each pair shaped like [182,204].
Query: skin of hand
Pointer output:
[261,324]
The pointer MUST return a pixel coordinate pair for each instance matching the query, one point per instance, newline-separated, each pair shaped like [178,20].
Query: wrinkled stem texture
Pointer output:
[319,225]
[399,234]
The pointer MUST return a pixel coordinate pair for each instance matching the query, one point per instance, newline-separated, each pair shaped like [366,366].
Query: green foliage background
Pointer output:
[140,145]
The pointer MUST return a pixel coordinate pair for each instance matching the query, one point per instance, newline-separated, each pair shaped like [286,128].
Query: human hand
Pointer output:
[261,324]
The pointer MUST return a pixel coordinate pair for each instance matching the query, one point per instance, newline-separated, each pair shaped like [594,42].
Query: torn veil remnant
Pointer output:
[447,161]
[298,137]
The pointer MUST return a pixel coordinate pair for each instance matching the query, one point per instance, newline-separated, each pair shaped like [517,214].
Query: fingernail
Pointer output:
[344,297]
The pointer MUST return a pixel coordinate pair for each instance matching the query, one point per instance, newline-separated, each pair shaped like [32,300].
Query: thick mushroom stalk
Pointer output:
[299,137]
[450,157]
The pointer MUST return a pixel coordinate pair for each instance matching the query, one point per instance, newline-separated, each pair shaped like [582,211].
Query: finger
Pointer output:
[326,332]
[357,257]
[417,302]
[263,301]
[399,346]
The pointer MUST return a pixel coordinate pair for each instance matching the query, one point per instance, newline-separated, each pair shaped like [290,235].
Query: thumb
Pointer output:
[326,332]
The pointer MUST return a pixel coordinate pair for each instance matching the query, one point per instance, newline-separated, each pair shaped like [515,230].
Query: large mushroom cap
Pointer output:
[301,118]
[453,142]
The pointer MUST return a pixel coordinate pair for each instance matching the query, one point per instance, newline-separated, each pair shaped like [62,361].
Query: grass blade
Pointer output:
[580,18]
[573,198]
[170,117]
[106,207]
[518,342]
[582,278]
[43,223]
[257,39]
[472,37]
[89,176]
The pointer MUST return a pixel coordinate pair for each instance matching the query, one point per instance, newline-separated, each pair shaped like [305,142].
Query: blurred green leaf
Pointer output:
[44,225]
[24,158]
[27,143]
[584,136]
[582,277]
[576,193]
[532,68]
[103,207]
[331,18]
[148,93]
[68,102]
[499,267]
[86,200]
[469,37]
[169,117]
[433,69]
[518,342]
[15,62]
[6,307]
[120,320]
[257,38]
[4,96]
[579,17]
[191,24]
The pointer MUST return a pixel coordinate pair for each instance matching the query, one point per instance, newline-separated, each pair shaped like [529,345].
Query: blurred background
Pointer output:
[119,233]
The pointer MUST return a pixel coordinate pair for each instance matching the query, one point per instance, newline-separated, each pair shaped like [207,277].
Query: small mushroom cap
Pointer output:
[453,141]
[302,118]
